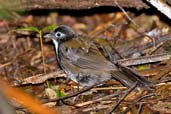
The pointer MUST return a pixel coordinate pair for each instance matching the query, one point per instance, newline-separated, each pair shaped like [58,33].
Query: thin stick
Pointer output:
[126,14]
[143,33]
[42,51]
[123,97]
[69,96]
[133,104]
[140,108]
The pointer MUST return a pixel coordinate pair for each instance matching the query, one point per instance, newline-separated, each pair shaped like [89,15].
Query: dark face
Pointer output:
[62,33]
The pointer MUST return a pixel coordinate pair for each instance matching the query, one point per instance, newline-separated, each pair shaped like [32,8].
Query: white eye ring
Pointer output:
[59,35]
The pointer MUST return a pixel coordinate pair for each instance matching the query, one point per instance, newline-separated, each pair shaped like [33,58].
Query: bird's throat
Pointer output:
[56,43]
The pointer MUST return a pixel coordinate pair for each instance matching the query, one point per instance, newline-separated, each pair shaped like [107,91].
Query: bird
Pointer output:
[85,64]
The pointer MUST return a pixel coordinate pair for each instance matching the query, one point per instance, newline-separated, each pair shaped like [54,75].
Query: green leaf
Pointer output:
[6,14]
[143,67]
[30,28]
[59,93]
[50,28]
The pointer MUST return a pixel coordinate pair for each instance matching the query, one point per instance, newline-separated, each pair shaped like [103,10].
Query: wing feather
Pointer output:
[85,54]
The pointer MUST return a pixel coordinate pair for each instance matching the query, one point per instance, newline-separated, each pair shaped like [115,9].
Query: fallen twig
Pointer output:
[96,100]
[37,79]
[143,97]
[71,95]
[123,97]
[144,60]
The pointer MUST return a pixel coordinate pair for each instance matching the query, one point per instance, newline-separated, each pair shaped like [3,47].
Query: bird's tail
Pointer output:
[128,77]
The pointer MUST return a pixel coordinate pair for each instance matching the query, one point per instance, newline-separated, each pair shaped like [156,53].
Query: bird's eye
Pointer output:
[59,35]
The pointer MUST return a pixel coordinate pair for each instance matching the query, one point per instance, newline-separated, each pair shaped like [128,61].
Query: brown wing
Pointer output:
[84,54]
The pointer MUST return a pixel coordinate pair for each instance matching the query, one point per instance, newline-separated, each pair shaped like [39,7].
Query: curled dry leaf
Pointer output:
[51,94]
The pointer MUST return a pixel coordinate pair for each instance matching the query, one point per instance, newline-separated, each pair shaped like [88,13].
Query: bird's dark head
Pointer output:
[62,33]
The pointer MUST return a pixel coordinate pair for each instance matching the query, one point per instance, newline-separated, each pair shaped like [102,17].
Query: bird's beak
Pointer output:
[49,35]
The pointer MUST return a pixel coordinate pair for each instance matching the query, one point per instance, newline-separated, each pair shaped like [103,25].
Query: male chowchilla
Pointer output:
[84,63]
